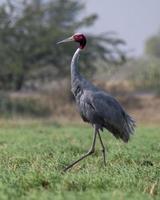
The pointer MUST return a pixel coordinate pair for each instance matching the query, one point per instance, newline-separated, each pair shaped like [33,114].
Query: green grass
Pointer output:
[33,155]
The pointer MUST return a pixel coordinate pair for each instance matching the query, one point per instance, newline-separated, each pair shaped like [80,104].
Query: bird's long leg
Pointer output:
[91,151]
[103,148]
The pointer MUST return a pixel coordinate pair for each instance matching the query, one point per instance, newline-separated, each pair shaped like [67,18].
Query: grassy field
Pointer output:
[33,155]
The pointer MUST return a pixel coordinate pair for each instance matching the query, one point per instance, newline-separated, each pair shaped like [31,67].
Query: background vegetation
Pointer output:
[32,62]
[29,32]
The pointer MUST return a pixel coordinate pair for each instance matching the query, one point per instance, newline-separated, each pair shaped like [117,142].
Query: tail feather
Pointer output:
[128,127]
[124,130]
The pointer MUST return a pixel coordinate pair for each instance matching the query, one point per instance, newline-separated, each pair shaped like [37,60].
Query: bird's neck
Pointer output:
[78,82]
[74,66]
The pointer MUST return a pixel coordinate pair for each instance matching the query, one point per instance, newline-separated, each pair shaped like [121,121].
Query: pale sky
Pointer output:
[133,20]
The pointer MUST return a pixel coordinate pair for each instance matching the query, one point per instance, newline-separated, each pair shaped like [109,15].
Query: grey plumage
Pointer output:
[96,106]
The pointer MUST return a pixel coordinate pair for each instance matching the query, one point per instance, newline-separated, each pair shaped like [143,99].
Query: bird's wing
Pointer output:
[106,110]
[105,106]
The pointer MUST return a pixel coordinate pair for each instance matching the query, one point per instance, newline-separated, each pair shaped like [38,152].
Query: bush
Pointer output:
[146,75]
[22,106]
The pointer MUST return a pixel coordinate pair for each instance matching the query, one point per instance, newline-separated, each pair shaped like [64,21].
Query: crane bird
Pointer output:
[95,106]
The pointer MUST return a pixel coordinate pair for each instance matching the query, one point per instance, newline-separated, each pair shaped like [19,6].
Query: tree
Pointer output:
[28,35]
[152,46]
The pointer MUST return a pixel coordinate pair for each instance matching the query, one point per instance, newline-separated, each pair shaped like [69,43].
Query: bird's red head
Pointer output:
[78,37]
[81,39]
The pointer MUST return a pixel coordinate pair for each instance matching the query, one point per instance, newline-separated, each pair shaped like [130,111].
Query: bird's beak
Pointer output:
[66,40]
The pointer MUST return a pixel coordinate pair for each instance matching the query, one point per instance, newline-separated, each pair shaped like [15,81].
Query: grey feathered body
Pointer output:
[98,107]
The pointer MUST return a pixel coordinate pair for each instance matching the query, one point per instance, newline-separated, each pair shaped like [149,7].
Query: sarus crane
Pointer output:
[96,106]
